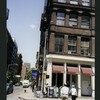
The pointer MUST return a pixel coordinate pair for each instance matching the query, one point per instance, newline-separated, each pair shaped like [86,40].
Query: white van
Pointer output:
[25,83]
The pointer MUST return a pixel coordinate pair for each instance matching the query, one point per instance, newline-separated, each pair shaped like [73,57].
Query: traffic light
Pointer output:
[47,76]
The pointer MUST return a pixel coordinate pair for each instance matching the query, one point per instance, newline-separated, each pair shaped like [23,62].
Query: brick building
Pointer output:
[67,44]
[23,72]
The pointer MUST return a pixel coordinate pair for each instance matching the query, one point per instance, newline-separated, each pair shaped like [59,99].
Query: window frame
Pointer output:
[59,44]
[72,45]
[85,46]
[73,20]
[74,2]
[60,20]
[85,23]
[86,3]
[62,1]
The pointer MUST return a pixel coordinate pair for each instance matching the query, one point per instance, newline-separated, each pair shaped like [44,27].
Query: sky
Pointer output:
[24,26]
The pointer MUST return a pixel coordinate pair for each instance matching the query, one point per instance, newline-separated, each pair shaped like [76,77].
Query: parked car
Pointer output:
[9,88]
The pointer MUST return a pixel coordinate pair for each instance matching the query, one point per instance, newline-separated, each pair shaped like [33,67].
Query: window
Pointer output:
[73,20]
[85,46]
[75,2]
[60,19]
[72,45]
[86,2]
[85,23]
[59,43]
[62,1]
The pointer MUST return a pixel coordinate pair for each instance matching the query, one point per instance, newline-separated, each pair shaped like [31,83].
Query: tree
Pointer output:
[28,75]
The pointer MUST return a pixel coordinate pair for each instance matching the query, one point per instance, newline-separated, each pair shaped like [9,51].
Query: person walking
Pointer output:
[46,88]
[65,92]
[73,92]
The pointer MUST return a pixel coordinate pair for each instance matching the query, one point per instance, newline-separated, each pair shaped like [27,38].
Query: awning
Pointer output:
[58,69]
[87,71]
[72,70]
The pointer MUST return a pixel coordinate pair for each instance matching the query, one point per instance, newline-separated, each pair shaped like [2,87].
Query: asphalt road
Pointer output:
[18,91]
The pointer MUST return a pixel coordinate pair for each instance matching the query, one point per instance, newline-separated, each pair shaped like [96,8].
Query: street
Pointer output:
[19,94]
[18,91]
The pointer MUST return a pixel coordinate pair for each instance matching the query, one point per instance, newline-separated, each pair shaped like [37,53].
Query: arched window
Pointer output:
[85,22]
[73,20]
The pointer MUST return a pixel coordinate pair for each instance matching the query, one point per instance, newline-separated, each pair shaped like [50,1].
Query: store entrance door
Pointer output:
[72,79]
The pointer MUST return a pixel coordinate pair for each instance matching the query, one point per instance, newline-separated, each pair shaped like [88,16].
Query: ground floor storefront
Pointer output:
[72,70]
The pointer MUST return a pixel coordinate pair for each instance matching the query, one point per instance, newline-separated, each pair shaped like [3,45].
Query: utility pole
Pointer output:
[44,58]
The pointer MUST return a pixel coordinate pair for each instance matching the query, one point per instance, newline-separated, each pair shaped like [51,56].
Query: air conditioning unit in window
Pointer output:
[69,52]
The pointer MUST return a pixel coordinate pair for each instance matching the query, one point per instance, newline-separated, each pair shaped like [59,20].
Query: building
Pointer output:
[27,66]
[38,66]
[12,49]
[23,72]
[19,61]
[67,44]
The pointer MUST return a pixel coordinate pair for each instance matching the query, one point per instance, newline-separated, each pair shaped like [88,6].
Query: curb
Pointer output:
[26,98]
[54,98]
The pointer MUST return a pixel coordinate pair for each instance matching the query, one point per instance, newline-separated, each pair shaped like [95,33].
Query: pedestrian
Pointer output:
[32,85]
[46,88]
[73,92]
[65,92]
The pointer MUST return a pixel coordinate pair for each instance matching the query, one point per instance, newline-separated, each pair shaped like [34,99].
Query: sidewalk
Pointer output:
[29,95]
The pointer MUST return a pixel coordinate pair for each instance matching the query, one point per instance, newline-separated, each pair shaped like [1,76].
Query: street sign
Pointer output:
[34,74]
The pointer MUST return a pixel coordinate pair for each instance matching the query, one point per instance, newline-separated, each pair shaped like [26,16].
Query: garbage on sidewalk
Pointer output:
[56,92]
[52,92]
[38,93]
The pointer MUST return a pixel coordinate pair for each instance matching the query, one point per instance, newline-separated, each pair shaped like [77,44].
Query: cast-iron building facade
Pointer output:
[68,36]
